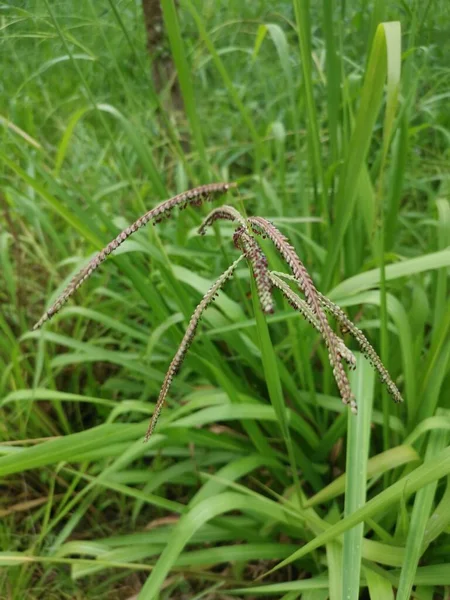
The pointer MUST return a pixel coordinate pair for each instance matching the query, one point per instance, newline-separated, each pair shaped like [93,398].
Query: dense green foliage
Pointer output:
[301,103]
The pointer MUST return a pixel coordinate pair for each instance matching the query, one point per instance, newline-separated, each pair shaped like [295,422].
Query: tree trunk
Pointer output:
[163,70]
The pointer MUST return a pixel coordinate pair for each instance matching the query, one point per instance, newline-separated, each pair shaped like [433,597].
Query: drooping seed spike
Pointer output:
[222,212]
[302,307]
[256,257]
[287,251]
[366,348]
[347,326]
[196,196]
[186,341]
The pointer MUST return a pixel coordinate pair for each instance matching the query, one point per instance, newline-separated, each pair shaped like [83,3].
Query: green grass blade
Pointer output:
[333,70]
[191,522]
[439,520]
[66,448]
[159,186]
[392,33]
[369,107]
[379,587]
[358,442]
[443,241]
[76,222]
[435,469]
[274,386]
[377,465]
[65,140]
[179,55]
[228,83]
[335,571]
[303,21]
[365,281]
[419,517]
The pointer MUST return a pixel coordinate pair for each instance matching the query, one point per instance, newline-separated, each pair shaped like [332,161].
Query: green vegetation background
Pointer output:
[295,102]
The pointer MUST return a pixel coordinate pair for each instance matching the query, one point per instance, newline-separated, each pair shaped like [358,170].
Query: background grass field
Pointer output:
[334,119]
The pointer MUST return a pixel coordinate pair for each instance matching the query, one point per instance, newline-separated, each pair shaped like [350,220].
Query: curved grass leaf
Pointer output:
[377,465]
[190,522]
[433,470]
[379,65]
[369,279]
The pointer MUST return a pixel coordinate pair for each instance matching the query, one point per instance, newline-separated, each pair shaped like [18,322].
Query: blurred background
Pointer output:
[333,118]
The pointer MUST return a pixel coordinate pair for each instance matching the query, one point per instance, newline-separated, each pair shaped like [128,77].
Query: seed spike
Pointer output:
[366,347]
[287,251]
[229,213]
[258,261]
[250,248]
[194,197]
[296,302]
[347,326]
[180,354]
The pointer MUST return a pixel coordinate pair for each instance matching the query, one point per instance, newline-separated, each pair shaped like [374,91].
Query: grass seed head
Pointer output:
[258,261]
[194,197]
[312,308]
[225,212]
[188,337]
[287,251]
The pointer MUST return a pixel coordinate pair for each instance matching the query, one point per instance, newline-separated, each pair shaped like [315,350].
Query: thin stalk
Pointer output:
[157,181]
[171,130]
[302,16]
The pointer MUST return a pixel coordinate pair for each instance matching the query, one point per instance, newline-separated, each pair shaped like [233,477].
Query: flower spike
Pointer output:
[256,257]
[222,212]
[296,302]
[347,326]
[189,335]
[193,197]
[287,251]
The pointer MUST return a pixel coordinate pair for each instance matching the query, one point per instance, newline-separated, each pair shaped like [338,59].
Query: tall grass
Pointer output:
[257,482]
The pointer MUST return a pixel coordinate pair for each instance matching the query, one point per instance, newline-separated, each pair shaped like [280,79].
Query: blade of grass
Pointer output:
[333,70]
[377,465]
[443,241]
[191,521]
[435,469]
[65,448]
[259,146]
[275,390]
[439,520]
[379,587]
[419,517]
[370,104]
[335,571]
[392,32]
[150,89]
[303,21]
[365,281]
[179,55]
[281,43]
[154,174]
[358,441]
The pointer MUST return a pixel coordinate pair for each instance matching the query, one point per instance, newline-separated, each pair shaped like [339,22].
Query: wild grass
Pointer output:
[257,481]
[264,280]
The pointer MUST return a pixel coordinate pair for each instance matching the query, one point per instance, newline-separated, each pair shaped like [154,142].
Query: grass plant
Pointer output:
[257,482]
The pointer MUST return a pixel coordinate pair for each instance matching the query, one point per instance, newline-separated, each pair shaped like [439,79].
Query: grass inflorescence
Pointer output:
[243,240]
